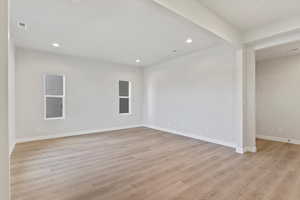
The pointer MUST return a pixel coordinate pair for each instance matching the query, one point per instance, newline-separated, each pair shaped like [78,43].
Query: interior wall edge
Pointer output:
[73,133]
[191,135]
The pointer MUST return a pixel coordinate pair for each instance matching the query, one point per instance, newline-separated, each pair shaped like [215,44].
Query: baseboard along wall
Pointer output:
[74,133]
[85,132]
[279,139]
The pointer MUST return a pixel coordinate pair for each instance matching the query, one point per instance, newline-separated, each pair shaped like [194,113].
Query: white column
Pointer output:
[250,133]
[245,100]
[4,141]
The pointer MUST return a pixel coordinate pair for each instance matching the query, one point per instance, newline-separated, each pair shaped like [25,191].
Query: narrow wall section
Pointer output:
[11,95]
[245,100]
[4,140]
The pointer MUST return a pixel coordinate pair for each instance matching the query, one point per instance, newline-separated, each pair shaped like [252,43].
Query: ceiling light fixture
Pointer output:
[189,40]
[137,60]
[55,44]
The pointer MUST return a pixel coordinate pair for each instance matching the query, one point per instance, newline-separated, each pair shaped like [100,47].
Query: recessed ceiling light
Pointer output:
[55,44]
[189,40]
[137,60]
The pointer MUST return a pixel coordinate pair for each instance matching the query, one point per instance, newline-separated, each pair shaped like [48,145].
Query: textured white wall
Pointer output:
[194,95]
[91,94]
[278,97]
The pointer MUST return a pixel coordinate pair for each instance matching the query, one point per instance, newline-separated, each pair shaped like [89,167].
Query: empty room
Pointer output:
[149,100]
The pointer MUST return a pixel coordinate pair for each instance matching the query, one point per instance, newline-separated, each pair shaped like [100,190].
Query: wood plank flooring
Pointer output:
[145,164]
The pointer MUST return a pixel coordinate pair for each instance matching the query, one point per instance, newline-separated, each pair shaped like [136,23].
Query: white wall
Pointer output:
[278,97]
[11,96]
[194,95]
[91,94]
[4,143]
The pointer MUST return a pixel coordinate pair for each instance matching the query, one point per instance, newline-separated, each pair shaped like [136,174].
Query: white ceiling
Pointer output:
[283,50]
[118,31]
[247,15]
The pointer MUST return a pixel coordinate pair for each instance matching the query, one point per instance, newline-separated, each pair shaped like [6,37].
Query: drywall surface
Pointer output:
[4,140]
[278,97]
[11,96]
[91,94]
[194,95]
[203,17]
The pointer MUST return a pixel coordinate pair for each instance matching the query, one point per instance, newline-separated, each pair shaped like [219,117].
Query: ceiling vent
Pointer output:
[22,25]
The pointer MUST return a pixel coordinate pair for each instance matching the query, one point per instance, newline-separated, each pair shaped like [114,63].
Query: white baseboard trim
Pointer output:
[73,133]
[278,139]
[190,135]
[194,136]
[11,148]
[242,150]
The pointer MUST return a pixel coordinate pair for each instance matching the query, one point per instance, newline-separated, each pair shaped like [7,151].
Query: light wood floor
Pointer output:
[144,164]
